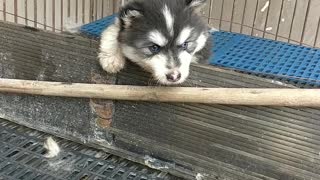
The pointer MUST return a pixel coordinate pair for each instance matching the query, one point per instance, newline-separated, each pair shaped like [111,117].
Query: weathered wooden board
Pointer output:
[27,53]
[220,142]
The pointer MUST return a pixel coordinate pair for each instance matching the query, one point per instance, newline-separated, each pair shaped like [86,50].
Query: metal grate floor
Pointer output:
[21,157]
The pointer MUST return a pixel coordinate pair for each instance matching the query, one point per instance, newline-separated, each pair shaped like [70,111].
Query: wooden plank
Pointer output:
[286,20]
[31,13]
[274,19]
[49,15]
[238,15]
[94,9]
[2,10]
[65,14]
[249,16]
[108,8]
[91,11]
[80,12]
[98,9]
[40,14]
[72,9]
[298,21]
[87,15]
[227,14]
[57,15]
[312,23]
[216,14]
[260,18]
[176,116]
[204,12]
[29,54]
[317,39]
[221,142]
[21,12]
[10,10]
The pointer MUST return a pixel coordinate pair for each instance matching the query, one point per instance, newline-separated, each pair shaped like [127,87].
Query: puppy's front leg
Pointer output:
[110,56]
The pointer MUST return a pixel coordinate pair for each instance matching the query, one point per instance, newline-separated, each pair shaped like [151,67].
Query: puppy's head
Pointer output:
[163,36]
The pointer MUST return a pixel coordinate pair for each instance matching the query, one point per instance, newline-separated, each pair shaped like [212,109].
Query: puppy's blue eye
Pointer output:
[155,49]
[185,45]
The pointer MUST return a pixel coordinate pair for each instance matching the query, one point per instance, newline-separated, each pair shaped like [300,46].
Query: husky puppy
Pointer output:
[162,36]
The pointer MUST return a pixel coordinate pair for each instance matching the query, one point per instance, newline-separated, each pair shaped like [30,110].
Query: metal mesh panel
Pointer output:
[21,157]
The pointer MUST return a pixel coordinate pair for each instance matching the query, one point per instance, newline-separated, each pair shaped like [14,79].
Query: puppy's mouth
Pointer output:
[166,82]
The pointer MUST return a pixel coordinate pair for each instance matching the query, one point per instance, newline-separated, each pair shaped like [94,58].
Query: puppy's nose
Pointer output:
[174,76]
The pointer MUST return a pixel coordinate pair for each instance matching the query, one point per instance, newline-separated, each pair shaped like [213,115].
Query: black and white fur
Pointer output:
[161,36]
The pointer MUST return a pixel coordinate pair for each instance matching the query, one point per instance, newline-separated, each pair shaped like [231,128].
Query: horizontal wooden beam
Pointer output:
[217,141]
[226,96]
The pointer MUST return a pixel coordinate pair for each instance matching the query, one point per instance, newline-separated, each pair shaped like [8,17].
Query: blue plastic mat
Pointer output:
[95,28]
[292,63]
[296,64]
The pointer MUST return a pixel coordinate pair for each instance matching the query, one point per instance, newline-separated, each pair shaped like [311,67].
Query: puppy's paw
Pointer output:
[111,64]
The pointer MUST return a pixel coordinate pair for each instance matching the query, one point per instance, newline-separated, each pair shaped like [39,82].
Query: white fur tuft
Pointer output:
[52,148]
[156,37]
[169,19]
[184,35]
[110,56]
[201,42]
[157,65]
[199,176]
[196,3]
[185,59]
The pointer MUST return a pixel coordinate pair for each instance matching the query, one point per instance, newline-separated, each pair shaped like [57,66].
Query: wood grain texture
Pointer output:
[221,142]
[291,21]
[222,96]
[249,16]
[227,14]
[286,20]
[9,10]
[1,10]
[255,141]
[238,15]
[215,15]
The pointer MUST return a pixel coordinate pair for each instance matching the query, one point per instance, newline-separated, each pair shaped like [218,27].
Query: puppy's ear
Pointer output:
[195,4]
[129,12]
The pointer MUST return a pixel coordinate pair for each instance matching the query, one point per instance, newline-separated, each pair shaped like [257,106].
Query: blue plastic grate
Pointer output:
[95,28]
[296,64]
